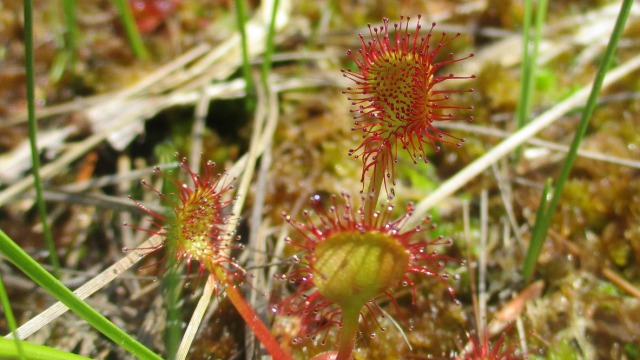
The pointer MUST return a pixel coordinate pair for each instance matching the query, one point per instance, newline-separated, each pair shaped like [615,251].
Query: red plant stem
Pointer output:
[257,326]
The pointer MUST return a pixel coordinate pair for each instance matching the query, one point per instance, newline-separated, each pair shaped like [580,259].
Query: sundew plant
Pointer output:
[324,180]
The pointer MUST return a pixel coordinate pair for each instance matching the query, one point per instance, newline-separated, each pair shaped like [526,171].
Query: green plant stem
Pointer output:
[8,349]
[348,333]
[543,222]
[241,19]
[172,297]
[171,280]
[541,15]
[33,130]
[131,29]
[33,270]
[71,39]
[535,245]
[11,320]
[529,61]
[252,319]
[268,52]
[526,67]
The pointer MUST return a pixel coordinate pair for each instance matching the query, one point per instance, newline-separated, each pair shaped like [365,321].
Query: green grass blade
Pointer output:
[173,331]
[529,61]
[11,320]
[71,40]
[541,16]
[171,279]
[543,222]
[130,28]
[241,19]
[33,129]
[9,350]
[541,12]
[535,246]
[33,270]
[526,67]
[268,51]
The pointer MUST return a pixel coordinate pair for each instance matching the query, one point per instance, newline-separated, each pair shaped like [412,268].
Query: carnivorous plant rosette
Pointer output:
[196,227]
[398,97]
[197,231]
[352,258]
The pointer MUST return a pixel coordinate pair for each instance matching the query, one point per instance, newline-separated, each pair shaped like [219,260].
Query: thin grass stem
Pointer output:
[482,262]
[131,29]
[241,19]
[526,68]
[11,320]
[172,289]
[529,61]
[543,222]
[71,40]
[535,244]
[33,129]
[171,282]
[268,51]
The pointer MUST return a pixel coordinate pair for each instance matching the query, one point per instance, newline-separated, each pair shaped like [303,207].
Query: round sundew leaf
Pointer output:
[354,267]
[398,96]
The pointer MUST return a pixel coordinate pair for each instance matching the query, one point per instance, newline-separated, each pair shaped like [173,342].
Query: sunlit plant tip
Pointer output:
[349,259]
[197,221]
[398,94]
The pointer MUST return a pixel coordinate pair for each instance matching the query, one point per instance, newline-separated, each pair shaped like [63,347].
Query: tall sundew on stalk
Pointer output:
[196,230]
[196,225]
[398,97]
[351,258]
